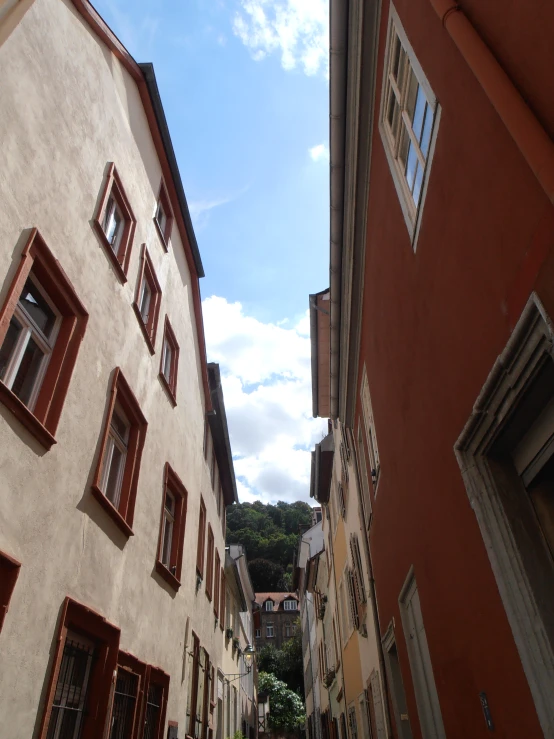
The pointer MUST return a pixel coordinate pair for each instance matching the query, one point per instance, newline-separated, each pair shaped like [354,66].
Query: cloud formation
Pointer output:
[319,152]
[297,29]
[267,387]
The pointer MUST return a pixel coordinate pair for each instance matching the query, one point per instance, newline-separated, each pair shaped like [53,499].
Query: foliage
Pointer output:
[285,663]
[268,532]
[266,576]
[286,710]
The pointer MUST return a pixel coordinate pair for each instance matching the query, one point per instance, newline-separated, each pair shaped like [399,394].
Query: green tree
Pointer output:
[286,710]
[266,575]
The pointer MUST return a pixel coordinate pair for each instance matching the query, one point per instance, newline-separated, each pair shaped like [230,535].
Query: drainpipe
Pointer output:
[530,137]
[338,35]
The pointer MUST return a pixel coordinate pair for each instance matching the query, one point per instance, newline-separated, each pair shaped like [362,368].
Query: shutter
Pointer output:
[378,705]
[357,563]
[352,599]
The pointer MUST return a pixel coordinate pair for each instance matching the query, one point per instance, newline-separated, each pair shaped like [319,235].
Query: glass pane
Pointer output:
[120,424]
[113,224]
[393,113]
[168,355]
[418,183]
[36,306]
[144,306]
[427,128]
[161,218]
[115,475]
[27,374]
[421,104]
[403,148]
[7,348]
[168,535]
[411,98]
[411,166]
[170,503]
[396,56]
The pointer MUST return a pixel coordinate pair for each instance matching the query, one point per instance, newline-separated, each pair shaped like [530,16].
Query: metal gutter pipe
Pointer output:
[527,132]
[338,36]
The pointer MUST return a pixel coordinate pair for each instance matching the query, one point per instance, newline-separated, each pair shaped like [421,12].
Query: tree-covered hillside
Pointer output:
[269,534]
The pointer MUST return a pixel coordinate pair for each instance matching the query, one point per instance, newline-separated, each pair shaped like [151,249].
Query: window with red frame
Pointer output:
[172,528]
[210,564]
[169,361]
[9,572]
[163,217]
[42,323]
[115,222]
[217,568]
[147,299]
[116,477]
[201,539]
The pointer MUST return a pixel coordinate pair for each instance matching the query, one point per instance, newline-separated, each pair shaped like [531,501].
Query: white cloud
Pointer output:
[319,152]
[200,209]
[297,29]
[267,387]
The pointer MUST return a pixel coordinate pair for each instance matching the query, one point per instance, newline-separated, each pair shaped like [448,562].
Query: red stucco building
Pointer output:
[442,300]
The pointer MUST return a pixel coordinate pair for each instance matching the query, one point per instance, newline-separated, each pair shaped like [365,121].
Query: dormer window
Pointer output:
[290,605]
[269,605]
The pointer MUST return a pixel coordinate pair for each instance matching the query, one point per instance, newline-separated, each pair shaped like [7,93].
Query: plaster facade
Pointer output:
[69,108]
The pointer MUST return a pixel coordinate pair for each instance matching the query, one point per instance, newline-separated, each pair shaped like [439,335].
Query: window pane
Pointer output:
[27,374]
[396,56]
[120,424]
[153,710]
[161,217]
[427,127]
[145,296]
[417,122]
[411,166]
[6,351]
[124,704]
[114,475]
[113,223]
[36,306]
[418,183]
[393,113]
[168,355]
[167,540]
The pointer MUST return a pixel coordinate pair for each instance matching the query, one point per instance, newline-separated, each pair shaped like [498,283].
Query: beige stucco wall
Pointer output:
[67,109]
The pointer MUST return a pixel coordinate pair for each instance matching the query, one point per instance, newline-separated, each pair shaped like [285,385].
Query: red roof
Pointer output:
[277,598]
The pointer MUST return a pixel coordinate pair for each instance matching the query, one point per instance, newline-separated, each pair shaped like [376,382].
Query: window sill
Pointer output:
[167,388]
[112,511]
[144,330]
[161,235]
[26,417]
[110,252]
[168,576]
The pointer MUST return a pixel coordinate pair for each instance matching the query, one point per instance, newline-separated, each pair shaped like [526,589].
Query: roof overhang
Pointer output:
[322,469]
[217,420]
[320,317]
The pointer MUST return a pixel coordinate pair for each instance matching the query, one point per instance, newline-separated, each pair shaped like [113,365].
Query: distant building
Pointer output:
[276,618]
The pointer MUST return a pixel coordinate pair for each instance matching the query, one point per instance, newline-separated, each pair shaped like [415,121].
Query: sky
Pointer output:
[244,84]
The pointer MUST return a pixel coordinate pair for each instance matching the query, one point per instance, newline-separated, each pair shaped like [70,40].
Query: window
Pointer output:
[341,499]
[169,362]
[357,570]
[369,423]
[352,721]
[288,631]
[269,605]
[42,323]
[258,633]
[201,539]
[127,698]
[363,480]
[116,477]
[217,580]
[290,605]
[269,630]
[408,121]
[163,217]
[394,676]
[81,676]
[210,564]
[147,300]
[115,223]
[9,572]
[172,529]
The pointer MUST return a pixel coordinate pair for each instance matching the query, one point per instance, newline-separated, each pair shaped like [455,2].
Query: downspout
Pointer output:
[528,134]
[337,111]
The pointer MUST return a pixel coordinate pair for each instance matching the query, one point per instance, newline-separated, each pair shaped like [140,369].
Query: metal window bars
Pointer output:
[68,706]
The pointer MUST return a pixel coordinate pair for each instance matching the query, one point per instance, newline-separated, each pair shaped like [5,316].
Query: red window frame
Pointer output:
[201,539]
[173,484]
[122,394]
[163,198]
[171,384]
[217,583]
[130,663]
[113,186]
[157,676]
[146,272]
[9,572]
[37,258]
[83,620]
[210,564]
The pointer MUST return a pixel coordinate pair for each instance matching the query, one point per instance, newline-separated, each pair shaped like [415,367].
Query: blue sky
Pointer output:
[245,90]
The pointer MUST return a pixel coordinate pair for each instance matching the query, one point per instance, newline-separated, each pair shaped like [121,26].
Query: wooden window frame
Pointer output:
[201,539]
[217,583]
[171,384]
[79,618]
[121,393]
[210,564]
[147,272]
[9,572]
[163,198]
[114,187]
[36,258]
[173,485]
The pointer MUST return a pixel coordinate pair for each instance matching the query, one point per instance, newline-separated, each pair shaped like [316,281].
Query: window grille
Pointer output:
[153,711]
[124,704]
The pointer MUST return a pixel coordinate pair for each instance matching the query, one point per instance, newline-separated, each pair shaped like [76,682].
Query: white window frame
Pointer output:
[258,634]
[30,330]
[112,208]
[290,605]
[412,213]
[269,605]
[269,626]
[115,439]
